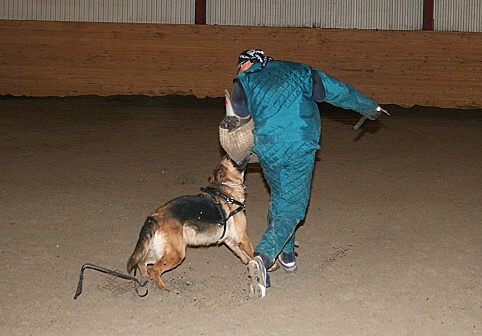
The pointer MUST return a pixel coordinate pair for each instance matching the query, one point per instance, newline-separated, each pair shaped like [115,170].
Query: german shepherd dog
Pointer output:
[214,216]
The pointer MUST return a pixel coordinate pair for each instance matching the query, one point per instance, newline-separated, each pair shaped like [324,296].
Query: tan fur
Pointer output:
[163,239]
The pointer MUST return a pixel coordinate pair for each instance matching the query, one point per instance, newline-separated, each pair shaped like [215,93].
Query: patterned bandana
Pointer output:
[253,55]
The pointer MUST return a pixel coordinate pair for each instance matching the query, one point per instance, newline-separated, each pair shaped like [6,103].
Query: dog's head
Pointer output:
[229,171]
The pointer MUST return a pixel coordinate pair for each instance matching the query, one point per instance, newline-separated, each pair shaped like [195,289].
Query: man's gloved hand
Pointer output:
[373,115]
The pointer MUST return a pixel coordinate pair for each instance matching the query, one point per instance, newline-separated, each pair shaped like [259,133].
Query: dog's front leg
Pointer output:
[239,249]
[246,245]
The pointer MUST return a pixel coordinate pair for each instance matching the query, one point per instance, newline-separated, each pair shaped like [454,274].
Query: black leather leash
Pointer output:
[111,272]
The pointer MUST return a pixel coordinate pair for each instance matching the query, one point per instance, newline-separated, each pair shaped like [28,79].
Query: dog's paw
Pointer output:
[274,267]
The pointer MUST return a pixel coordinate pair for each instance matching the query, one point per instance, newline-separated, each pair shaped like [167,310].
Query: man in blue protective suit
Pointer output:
[280,97]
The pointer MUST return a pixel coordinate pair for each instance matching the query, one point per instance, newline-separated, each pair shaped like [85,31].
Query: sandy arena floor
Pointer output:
[392,243]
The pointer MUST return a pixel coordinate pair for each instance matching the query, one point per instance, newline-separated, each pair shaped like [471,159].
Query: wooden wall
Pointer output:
[39,58]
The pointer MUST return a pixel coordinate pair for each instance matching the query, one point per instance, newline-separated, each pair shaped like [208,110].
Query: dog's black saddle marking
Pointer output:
[203,210]
[197,210]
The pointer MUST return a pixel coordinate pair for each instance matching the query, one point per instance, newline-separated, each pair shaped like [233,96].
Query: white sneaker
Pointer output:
[257,276]
[288,261]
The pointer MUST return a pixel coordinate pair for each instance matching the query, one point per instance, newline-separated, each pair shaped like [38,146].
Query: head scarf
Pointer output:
[253,55]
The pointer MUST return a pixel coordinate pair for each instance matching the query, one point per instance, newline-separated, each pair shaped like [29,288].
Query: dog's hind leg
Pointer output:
[143,269]
[172,257]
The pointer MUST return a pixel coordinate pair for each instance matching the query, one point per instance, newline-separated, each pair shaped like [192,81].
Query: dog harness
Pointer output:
[216,193]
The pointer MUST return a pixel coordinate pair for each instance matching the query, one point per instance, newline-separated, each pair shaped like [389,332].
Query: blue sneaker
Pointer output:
[259,279]
[288,261]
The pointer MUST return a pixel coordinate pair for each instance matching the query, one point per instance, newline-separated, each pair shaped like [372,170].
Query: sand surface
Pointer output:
[391,245]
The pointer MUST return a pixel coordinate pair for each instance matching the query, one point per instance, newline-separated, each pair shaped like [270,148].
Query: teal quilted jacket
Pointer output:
[280,102]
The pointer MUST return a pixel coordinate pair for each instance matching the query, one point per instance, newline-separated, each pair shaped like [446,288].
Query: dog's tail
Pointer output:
[143,243]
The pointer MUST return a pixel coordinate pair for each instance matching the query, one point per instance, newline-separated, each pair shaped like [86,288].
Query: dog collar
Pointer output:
[229,184]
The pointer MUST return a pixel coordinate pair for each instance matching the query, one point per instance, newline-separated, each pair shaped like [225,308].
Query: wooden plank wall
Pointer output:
[39,58]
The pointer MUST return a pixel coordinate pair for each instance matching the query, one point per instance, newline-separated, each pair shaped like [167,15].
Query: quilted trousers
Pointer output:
[288,169]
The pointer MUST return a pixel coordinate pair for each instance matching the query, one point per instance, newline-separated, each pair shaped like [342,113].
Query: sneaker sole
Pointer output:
[257,286]
[291,269]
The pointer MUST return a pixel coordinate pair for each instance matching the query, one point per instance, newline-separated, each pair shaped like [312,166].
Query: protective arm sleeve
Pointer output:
[345,96]
[239,100]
